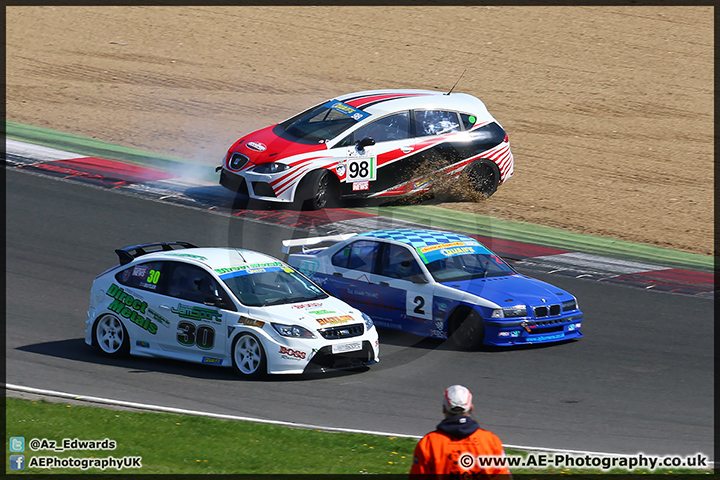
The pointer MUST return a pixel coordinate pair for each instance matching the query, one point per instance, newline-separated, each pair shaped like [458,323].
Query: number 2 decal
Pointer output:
[418,305]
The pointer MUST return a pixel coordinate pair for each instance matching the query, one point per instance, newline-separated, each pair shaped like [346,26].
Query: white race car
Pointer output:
[373,144]
[224,306]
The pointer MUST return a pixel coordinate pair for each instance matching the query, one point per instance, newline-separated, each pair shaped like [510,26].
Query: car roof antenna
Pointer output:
[453,87]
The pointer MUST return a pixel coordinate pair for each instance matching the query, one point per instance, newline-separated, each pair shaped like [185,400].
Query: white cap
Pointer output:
[457,400]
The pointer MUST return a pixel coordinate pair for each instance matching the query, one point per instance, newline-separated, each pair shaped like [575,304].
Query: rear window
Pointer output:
[145,276]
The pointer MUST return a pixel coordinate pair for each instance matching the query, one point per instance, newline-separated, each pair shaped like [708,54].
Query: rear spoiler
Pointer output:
[128,254]
[313,241]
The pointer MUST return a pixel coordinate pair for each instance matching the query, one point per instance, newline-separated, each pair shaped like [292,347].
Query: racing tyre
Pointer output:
[467,332]
[110,336]
[316,190]
[248,357]
[484,177]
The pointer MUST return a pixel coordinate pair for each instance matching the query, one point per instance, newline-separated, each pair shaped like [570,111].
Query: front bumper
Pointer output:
[324,360]
[527,331]
[233,182]
[295,356]
[259,186]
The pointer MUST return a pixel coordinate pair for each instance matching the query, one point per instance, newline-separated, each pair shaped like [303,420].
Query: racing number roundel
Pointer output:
[361,169]
[418,304]
[361,165]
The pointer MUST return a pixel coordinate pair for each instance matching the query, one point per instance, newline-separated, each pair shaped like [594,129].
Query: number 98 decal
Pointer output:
[361,169]
[418,305]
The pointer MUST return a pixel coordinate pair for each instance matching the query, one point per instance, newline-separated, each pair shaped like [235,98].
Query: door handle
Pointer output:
[166,307]
[385,284]
[407,149]
[337,274]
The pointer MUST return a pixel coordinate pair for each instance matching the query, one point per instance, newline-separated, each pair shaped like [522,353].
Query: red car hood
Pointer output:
[264,146]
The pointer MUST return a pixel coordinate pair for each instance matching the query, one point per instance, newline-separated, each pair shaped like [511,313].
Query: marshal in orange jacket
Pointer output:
[459,447]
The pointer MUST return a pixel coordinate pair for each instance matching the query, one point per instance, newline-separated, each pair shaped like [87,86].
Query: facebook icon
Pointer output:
[17,462]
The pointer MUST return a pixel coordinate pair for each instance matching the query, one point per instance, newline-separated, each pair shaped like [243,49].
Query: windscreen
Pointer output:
[463,260]
[322,123]
[260,287]
[468,267]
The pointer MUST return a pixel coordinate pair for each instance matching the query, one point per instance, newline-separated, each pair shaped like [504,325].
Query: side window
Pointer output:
[391,127]
[436,122]
[192,283]
[398,262]
[145,276]
[468,121]
[359,255]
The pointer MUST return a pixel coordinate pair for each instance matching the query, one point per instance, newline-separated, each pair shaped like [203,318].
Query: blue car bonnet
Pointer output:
[512,290]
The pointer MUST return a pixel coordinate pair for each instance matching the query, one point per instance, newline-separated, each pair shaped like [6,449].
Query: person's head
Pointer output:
[457,400]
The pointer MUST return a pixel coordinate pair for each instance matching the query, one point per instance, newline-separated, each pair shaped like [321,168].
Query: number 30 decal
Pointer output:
[203,335]
[418,305]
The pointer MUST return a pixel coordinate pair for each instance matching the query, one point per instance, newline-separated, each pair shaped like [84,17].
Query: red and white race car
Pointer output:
[379,143]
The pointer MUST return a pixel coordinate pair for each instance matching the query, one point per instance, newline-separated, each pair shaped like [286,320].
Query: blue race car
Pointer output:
[438,284]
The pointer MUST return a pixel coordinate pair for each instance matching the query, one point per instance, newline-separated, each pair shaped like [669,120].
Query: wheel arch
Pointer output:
[459,312]
[258,333]
[238,334]
[128,349]
[481,163]
[466,328]
[303,187]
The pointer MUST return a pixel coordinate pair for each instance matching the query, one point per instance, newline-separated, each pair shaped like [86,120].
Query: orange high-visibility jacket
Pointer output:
[439,453]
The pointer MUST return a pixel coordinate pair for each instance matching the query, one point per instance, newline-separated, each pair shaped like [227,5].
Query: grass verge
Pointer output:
[184,444]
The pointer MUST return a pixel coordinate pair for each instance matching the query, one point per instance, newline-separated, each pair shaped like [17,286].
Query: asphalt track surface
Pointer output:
[640,381]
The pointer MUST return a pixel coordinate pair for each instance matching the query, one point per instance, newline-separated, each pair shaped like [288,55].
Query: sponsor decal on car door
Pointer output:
[385,281]
[195,327]
[403,283]
[362,166]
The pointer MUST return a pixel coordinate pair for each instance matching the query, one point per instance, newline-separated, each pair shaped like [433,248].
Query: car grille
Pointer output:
[324,359]
[549,322]
[333,333]
[237,161]
[537,331]
[547,311]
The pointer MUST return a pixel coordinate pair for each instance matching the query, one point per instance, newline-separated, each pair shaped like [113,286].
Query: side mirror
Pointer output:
[365,142]
[419,278]
[214,302]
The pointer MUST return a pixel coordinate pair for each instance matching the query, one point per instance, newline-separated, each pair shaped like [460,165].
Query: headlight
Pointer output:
[368,322]
[514,311]
[292,331]
[570,305]
[272,167]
